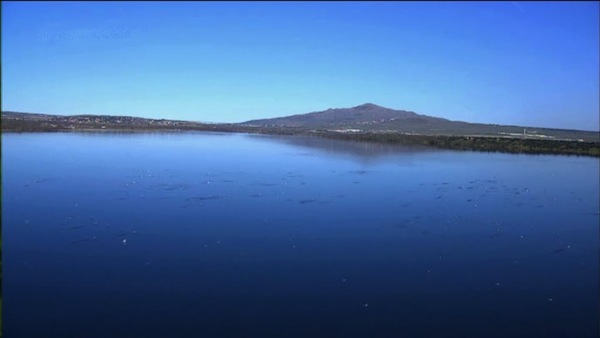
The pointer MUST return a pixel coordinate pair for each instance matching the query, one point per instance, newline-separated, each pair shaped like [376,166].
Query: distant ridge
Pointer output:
[372,117]
[364,114]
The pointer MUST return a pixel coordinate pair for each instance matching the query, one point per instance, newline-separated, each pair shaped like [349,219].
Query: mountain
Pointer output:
[365,114]
[371,117]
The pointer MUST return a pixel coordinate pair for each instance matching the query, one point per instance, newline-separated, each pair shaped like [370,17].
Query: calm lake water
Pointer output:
[231,235]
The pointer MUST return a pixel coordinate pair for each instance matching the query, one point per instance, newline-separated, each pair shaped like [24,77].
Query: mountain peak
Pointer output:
[368,105]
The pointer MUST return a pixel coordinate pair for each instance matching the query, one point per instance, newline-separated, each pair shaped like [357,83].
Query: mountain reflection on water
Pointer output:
[363,151]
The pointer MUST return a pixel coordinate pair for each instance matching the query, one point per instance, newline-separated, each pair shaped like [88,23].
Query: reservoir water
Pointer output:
[233,235]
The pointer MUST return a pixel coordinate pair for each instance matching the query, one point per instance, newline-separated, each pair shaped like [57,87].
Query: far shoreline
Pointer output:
[478,143]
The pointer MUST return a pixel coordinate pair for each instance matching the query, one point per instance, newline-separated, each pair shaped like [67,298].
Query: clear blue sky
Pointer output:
[523,63]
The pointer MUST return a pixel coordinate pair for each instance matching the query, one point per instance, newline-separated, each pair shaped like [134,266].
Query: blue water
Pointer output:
[231,235]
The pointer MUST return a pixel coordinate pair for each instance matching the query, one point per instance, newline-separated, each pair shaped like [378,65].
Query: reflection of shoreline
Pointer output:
[365,150]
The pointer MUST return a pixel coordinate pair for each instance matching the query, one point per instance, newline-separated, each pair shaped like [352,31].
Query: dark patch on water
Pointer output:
[557,251]
[307,201]
[81,240]
[266,184]
[203,198]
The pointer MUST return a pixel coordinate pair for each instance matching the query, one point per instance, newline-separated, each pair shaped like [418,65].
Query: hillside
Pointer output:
[18,121]
[366,114]
[371,117]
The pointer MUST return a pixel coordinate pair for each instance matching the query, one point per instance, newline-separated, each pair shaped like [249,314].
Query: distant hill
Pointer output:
[32,116]
[371,117]
[365,114]
[22,122]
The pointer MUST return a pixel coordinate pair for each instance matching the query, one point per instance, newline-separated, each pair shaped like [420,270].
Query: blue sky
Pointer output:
[522,63]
